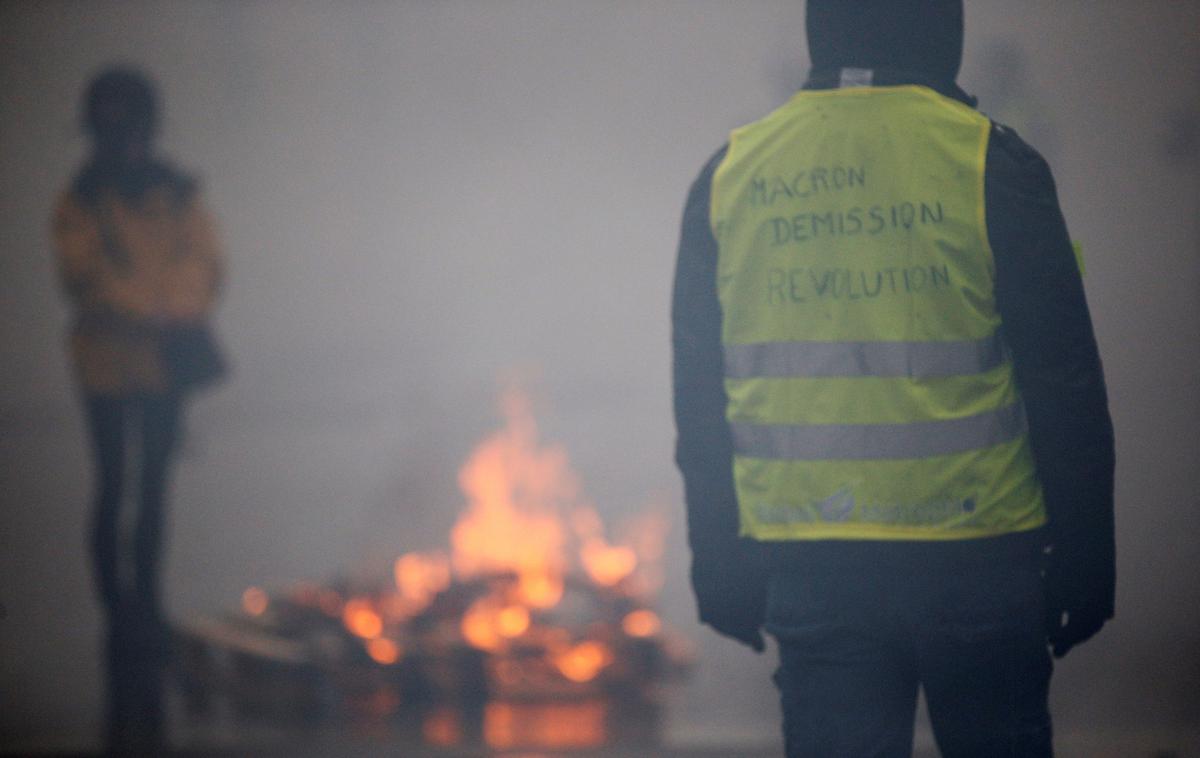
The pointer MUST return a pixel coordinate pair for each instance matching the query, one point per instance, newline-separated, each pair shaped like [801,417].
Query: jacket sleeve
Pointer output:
[704,448]
[197,272]
[76,246]
[728,581]
[1039,293]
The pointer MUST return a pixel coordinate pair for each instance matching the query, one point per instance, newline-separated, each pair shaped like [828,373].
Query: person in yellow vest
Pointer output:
[139,261]
[892,421]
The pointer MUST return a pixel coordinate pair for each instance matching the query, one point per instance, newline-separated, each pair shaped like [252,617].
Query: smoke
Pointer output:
[417,198]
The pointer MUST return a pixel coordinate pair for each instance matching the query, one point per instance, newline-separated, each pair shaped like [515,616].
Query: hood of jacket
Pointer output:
[924,37]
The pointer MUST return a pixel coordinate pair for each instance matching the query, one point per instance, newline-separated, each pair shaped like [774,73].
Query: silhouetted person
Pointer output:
[889,401]
[139,260]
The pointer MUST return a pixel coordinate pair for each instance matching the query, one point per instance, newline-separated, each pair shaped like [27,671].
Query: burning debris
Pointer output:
[534,630]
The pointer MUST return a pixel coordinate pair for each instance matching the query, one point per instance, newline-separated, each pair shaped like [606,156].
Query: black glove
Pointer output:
[1079,599]
[732,599]
[1067,627]
[738,629]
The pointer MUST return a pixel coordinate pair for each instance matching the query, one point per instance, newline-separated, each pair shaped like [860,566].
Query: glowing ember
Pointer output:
[361,618]
[383,651]
[641,623]
[512,621]
[480,625]
[255,601]
[606,564]
[582,662]
[540,590]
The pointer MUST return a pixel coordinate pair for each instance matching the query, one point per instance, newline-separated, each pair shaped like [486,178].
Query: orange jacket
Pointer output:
[131,267]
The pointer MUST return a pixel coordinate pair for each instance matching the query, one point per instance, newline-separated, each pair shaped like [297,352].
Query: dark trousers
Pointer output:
[142,428]
[147,425]
[856,646]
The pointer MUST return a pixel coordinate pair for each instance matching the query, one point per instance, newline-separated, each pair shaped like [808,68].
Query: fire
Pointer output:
[480,625]
[516,491]
[512,621]
[487,623]
[583,662]
[556,608]
[384,651]
[526,520]
[361,618]
[419,578]
[539,589]
[255,601]
[643,623]
[606,564]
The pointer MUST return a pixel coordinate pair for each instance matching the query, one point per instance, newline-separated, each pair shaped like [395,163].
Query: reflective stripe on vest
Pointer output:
[870,392]
[911,359]
[919,439]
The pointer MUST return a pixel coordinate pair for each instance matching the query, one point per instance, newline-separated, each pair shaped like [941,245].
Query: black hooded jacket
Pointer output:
[1040,298]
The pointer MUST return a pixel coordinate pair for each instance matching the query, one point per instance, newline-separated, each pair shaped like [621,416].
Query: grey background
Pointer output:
[421,198]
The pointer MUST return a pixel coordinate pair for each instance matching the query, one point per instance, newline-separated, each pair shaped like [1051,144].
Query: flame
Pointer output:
[361,618]
[642,623]
[255,601]
[488,623]
[606,564]
[479,625]
[583,662]
[512,621]
[540,589]
[384,651]
[524,517]
[419,578]
[516,491]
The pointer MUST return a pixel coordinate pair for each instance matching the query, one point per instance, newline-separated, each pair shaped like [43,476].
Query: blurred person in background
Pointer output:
[892,421]
[140,264]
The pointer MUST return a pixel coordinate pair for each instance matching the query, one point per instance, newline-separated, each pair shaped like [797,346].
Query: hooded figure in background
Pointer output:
[892,420]
[139,261]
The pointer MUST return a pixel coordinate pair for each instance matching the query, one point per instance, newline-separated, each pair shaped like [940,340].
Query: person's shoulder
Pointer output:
[715,159]
[704,178]
[85,185]
[182,186]
[1010,155]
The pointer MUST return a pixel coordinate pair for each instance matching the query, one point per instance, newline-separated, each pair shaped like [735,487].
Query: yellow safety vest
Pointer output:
[871,394]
